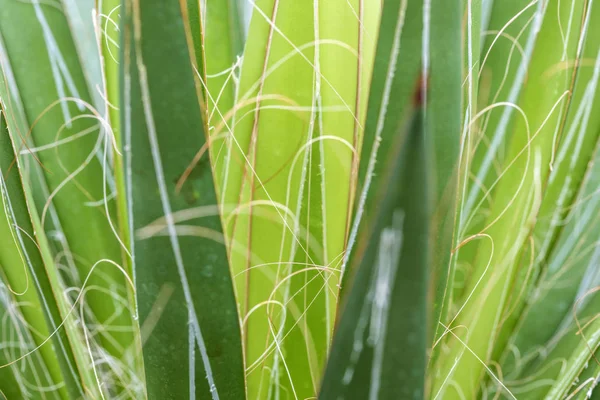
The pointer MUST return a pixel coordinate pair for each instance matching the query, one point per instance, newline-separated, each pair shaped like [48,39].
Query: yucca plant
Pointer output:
[279,199]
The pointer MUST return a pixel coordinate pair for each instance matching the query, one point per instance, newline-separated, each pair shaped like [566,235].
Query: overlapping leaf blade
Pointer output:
[516,201]
[65,149]
[408,179]
[189,322]
[38,352]
[294,141]
[386,311]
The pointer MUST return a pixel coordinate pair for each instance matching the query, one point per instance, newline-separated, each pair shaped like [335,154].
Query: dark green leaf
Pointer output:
[380,343]
[187,310]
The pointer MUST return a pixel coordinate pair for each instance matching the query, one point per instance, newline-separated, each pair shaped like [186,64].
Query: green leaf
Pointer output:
[570,351]
[400,34]
[47,96]
[571,273]
[447,48]
[109,26]
[223,45]
[516,203]
[381,339]
[294,139]
[499,73]
[410,44]
[29,291]
[587,381]
[189,322]
[78,14]
[564,240]
[443,130]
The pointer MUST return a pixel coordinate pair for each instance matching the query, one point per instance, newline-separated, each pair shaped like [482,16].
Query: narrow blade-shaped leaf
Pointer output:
[380,344]
[188,315]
